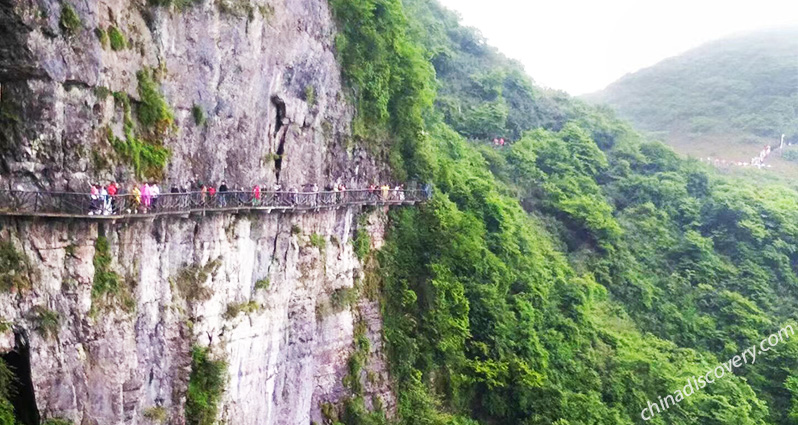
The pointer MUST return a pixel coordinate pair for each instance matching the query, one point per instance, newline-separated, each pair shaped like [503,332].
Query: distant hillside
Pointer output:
[722,98]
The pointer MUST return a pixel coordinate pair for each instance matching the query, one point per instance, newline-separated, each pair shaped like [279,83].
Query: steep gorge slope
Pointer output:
[578,274]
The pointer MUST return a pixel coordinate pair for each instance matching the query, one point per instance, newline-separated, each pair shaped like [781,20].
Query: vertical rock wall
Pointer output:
[264,75]
[108,364]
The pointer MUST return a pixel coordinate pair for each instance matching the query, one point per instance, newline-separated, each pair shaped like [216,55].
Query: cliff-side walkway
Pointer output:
[83,205]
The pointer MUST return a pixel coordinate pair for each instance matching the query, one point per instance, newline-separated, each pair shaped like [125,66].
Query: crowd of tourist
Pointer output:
[498,141]
[757,161]
[146,197]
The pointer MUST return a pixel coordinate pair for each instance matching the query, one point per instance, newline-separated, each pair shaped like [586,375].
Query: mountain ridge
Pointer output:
[726,98]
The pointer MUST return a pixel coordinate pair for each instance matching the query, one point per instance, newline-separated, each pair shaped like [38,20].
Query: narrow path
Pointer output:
[83,205]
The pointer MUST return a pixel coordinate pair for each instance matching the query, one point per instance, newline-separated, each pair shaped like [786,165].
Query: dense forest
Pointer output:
[571,276]
[735,91]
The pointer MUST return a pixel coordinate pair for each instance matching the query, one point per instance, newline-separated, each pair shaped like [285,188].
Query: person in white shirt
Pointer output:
[154,192]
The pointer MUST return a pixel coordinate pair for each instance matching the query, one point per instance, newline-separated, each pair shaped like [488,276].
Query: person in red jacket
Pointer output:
[112,190]
[256,195]
[212,195]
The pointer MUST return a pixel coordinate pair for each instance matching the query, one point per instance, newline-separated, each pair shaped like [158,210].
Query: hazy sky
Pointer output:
[580,46]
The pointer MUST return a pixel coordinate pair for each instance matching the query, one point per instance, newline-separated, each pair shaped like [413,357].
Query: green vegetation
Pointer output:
[237,8]
[15,268]
[70,21]
[354,408]
[116,38]
[7,382]
[56,421]
[389,76]
[101,92]
[791,155]
[147,157]
[157,414]
[266,11]
[191,281]
[310,95]
[198,114]
[234,309]
[153,112]
[270,157]
[102,36]
[108,288]
[205,387]
[262,284]
[362,243]
[99,161]
[46,321]
[572,276]
[358,360]
[340,300]
[318,241]
[179,4]
[295,229]
[738,90]
[105,279]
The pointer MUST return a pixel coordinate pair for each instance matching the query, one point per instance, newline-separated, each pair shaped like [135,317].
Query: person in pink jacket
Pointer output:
[146,196]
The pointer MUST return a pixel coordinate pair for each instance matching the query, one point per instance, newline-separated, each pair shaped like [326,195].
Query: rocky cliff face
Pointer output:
[267,294]
[262,291]
[262,74]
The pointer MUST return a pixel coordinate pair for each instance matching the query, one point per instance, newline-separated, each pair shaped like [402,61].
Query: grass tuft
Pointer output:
[102,35]
[70,21]
[14,268]
[101,92]
[157,414]
[198,114]
[191,281]
[153,112]
[318,241]
[310,95]
[108,288]
[234,309]
[262,284]
[46,321]
[116,38]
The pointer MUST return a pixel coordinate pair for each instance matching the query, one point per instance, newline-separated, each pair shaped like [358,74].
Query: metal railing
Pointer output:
[68,203]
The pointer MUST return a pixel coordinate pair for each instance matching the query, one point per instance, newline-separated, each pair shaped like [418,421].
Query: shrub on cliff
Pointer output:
[153,111]
[14,268]
[205,387]
[69,21]
[116,38]
[108,287]
[147,158]
[102,36]
[46,321]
